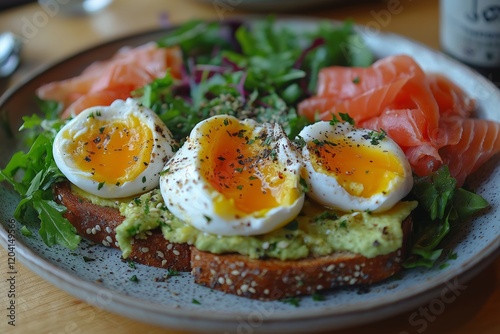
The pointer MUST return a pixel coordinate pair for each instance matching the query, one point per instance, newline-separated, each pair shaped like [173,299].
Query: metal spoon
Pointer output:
[10,47]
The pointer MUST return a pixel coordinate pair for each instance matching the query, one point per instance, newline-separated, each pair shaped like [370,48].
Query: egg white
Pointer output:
[191,198]
[324,186]
[77,128]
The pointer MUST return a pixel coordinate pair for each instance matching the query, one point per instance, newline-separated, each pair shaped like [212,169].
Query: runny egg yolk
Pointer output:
[362,170]
[242,168]
[113,152]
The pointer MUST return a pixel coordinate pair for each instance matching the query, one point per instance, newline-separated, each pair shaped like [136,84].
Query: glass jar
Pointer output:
[470,32]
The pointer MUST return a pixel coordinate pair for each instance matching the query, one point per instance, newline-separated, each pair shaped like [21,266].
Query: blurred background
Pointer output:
[51,30]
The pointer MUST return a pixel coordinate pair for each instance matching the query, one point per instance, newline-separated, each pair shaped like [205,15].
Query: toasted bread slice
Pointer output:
[272,279]
[264,279]
[97,223]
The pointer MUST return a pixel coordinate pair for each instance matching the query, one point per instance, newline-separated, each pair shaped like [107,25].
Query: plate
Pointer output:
[105,282]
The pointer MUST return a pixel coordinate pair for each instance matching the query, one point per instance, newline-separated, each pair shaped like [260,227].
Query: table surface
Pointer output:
[50,36]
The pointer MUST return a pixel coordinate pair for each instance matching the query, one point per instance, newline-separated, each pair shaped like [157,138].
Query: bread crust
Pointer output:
[272,279]
[264,279]
[97,223]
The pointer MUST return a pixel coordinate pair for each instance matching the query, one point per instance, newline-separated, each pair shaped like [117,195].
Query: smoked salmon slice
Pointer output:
[479,142]
[104,81]
[426,114]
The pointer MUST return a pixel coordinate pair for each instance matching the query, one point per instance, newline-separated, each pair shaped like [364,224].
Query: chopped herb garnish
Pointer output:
[317,297]
[304,185]
[26,232]
[443,266]
[376,137]
[131,264]
[88,259]
[268,141]
[101,130]
[343,224]
[326,215]
[239,170]
[172,272]
[356,80]
[208,218]
[144,179]
[293,225]
[100,185]
[299,141]
[346,118]
[295,301]
[239,187]
[195,301]
[134,278]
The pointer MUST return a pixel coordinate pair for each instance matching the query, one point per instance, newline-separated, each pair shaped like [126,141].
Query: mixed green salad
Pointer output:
[260,71]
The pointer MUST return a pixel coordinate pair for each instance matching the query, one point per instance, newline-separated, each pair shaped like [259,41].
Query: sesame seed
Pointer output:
[160,254]
[235,273]
[254,284]
[341,265]
[229,281]
[197,257]
[330,268]
[108,229]
[169,246]
[353,280]
[176,252]
[93,231]
[117,244]
[244,287]
[105,243]
[221,280]
[212,272]
[266,291]
[319,287]
[251,290]
[357,267]
[282,244]
[163,262]
[88,231]
[98,228]
[144,249]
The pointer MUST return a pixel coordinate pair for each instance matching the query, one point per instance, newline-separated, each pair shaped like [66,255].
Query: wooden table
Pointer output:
[49,36]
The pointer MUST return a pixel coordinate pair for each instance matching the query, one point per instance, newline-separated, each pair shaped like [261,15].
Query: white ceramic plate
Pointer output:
[105,281]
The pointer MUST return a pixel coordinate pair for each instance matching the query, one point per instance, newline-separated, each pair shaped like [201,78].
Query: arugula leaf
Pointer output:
[442,208]
[39,173]
[54,228]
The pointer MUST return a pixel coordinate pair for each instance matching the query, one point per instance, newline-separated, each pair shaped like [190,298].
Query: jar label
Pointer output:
[470,31]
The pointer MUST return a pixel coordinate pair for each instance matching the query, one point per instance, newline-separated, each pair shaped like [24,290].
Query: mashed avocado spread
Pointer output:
[315,232]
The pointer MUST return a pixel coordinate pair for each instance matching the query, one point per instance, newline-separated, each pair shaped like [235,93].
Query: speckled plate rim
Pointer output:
[336,318]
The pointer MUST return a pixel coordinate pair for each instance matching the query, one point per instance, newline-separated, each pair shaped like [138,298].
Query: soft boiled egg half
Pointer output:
[114,151]
[353,169]
[234,177]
